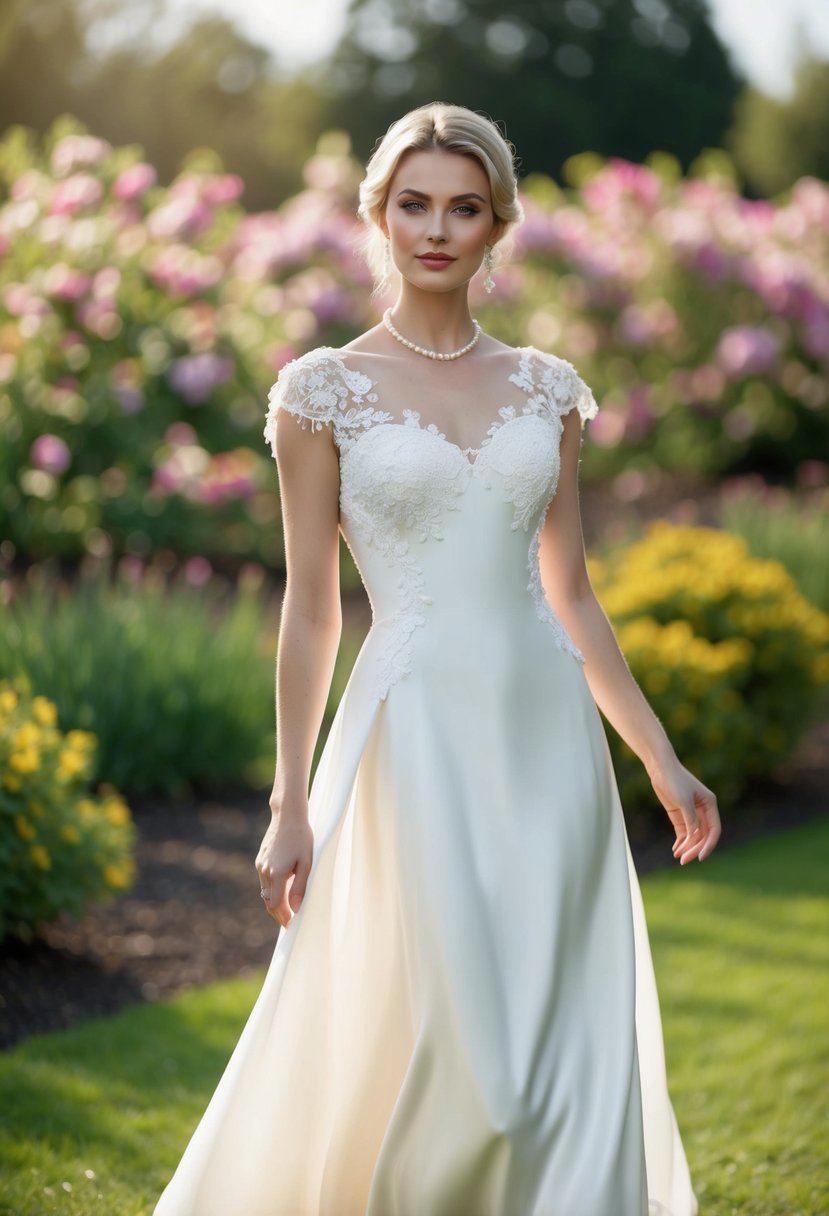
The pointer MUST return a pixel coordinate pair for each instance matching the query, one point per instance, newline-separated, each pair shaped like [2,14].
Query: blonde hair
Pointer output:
[450,129]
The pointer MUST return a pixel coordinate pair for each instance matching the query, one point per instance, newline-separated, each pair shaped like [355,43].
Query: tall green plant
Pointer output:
[776,525]
[175,681]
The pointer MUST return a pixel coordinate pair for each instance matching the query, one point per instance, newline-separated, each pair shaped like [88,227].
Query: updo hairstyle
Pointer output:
[449,129]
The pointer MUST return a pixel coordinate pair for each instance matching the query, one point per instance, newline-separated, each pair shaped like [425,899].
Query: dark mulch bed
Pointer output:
[194,914]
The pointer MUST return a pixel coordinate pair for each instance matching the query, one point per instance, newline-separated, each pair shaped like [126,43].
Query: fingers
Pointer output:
[272,890]
[297,890]
[714,826]
[281,903]
[701,828]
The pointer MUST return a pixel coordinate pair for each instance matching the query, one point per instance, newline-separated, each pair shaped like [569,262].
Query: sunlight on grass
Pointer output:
[742,956]
[740,946]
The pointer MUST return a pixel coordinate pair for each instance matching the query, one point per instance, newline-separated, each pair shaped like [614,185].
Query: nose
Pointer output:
[436,229]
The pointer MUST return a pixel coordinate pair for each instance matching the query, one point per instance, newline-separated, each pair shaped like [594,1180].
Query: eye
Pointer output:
[410,203]
[466,209]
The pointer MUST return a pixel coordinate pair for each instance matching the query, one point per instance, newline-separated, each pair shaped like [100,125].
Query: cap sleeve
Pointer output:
[564,388]
[306,387]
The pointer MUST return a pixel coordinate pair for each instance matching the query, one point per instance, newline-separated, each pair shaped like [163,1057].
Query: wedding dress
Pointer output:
[462,1018]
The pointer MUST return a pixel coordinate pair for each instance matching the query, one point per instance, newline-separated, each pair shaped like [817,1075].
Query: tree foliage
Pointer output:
[618,77]
[776,142]
[212,86]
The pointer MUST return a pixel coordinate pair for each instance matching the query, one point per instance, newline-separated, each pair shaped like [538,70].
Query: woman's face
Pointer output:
[439,218]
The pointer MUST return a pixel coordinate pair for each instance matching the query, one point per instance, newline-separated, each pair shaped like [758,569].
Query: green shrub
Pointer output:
[730,655]
[60,846]
[175,680]
[776,525]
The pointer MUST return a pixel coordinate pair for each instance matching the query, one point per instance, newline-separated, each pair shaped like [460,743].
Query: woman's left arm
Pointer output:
[691,806]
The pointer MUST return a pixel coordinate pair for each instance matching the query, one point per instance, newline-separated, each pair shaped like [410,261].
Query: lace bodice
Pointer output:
[404,485]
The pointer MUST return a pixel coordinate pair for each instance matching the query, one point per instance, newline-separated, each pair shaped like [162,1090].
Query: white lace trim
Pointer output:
[559,385]
[560,388]
[542,605]
[422,513]
[394,653]
[317,388]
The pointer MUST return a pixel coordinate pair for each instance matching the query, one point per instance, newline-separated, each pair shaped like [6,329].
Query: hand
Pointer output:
[287,850]
[692,809]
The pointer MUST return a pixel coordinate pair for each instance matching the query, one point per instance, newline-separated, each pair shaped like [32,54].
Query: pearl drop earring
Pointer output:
[489,282]
[386,260]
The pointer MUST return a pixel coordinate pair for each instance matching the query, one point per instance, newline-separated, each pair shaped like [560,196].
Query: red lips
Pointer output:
[434,257]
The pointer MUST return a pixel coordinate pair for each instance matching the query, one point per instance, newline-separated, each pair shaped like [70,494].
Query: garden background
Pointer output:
[177,222]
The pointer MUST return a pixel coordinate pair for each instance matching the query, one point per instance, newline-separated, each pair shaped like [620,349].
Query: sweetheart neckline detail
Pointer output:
[411,425]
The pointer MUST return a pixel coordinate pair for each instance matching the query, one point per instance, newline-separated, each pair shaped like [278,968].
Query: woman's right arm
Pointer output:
[309,635]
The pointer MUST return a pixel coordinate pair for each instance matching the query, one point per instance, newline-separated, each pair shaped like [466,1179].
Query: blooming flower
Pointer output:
[50,454]
[44,711]
[185,272]
[74,151]
[117,876]
[195,376]
[76,193]
[27,761]
[63,282]
[223,188]
[24,829]
[134,181]
[40,857]
[198,571]
[747,350]
[179,217]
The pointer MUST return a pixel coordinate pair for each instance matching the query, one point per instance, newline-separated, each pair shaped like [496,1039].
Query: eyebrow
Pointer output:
[458,198]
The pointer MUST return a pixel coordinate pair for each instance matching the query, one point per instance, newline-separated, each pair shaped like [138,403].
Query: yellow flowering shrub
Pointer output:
[61,846]
[730,655]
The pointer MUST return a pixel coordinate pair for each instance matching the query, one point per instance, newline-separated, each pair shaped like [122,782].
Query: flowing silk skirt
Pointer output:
[462,1018]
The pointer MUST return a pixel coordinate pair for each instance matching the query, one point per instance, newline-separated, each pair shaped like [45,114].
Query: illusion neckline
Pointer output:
[498,423]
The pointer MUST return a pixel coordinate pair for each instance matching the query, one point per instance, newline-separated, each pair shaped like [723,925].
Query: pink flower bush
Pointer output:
[699,318]
[184,272]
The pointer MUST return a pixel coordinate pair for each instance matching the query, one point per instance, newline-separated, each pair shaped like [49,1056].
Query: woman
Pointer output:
[460,1018]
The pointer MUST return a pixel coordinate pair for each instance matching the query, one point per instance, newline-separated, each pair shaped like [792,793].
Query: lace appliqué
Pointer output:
[318,388]
[542,606]
[558,389]
[412,418]
[558,386]
[394,653]
[380,509]
[526,469]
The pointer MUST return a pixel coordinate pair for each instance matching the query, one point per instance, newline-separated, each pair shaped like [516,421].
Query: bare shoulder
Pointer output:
[371,342]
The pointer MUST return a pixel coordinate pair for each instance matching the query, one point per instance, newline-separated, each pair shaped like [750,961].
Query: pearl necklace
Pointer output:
[422,350]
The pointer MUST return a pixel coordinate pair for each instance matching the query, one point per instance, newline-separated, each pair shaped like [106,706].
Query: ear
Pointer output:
[381,222]
[496,232]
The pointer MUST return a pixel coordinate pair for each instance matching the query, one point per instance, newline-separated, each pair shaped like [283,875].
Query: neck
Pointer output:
[440,322]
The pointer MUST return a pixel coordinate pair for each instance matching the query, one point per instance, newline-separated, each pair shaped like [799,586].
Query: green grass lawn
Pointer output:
[94,1119]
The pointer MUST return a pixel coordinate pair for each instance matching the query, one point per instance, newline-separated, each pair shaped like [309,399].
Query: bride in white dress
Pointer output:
[460,1018]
